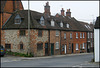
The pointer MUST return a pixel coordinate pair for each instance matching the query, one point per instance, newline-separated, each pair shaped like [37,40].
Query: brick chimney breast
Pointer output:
[47,10]
[68,13]
[62,12]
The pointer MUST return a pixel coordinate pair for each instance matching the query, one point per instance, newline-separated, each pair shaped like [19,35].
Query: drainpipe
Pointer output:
[60,42]
[49,42]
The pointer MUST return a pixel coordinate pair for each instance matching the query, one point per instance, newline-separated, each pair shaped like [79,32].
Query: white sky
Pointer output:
[81,10]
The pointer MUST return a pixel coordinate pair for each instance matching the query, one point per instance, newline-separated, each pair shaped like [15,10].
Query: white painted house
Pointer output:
[97,40]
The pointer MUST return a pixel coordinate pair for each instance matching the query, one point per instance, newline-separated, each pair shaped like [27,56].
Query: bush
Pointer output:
[19,54]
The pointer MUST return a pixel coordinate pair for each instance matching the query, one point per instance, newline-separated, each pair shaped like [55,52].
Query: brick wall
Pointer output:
[66,41]
[80,41]
[54,39]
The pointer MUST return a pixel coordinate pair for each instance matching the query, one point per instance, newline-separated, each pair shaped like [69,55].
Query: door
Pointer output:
[72,47]
[52,49]
[46,49]
[65,49]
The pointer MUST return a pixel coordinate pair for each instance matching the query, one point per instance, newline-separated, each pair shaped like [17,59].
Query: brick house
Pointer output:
[6,10]
[49,35]
[90,36]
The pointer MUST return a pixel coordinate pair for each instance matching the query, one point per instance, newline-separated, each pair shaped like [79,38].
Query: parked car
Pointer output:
[2,50]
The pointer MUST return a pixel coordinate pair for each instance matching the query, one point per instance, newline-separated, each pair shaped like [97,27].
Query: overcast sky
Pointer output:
[81,10]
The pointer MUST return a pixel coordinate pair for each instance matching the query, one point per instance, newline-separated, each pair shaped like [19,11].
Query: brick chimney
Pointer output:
[62,12]
[47,10]
[68,13]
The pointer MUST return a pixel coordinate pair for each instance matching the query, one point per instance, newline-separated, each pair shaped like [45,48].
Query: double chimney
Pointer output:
[68,13]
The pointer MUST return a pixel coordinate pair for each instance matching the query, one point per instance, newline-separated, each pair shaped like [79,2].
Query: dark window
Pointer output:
[21,46]
[40,47]
[8,46]
[22,32]
[17,21]
[40,33]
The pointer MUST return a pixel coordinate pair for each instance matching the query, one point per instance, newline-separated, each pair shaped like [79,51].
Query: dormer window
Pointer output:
[42,21]
[61,24]
[17,19]
[67,25]
[52,23]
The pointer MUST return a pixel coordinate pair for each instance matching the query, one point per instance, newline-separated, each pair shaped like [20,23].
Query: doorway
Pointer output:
[72,47]
[65,49]
[46,49]
[52,48]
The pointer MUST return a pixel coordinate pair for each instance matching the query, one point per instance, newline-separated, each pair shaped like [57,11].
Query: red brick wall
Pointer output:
[9,6]
[79,41]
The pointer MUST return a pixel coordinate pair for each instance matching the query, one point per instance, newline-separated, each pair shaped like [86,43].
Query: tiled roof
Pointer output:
[87,27]
[97,23]
[74,25]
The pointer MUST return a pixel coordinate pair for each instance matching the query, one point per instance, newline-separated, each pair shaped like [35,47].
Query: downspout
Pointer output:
[49,42]
[60,42]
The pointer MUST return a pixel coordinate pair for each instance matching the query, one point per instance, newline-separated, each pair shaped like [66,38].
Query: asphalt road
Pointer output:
[73,60]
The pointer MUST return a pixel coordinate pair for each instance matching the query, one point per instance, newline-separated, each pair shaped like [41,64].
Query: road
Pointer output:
[73,60]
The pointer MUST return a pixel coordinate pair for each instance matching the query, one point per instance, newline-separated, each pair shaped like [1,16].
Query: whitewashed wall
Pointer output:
[97,45]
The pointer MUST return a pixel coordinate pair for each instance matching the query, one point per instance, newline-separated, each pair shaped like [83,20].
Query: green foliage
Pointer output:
[19,54]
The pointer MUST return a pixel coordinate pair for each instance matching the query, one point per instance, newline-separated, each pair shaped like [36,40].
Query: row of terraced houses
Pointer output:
[49,35]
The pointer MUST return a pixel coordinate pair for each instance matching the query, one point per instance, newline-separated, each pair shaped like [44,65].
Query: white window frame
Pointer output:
[88,35]
[42,21]
[67,25]
[91,35]
[77,35]
[83,47]
[80,35]
[57,45]
[70,35]
[91,44]
[57,33]
[18,18]
[77,46]
[61,24]
[83,35]
[64,35]
[52,23]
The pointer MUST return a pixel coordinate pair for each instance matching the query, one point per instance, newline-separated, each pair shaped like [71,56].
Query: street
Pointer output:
[73,60]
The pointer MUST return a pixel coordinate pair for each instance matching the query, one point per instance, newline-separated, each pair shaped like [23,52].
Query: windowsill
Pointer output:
[57,35]
[77,49]
[57,48]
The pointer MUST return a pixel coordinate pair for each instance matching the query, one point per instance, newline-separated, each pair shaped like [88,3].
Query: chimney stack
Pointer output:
[68,13]
[62,12]
[47,10]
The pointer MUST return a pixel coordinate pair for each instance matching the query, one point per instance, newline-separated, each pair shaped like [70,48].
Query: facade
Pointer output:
[49,35]
[7,8]
[90,36]
[97,40]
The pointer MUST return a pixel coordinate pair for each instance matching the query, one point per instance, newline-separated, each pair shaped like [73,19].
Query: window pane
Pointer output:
[40,33]
[21,46]
[22,32]
[76,46]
